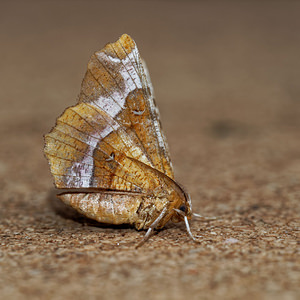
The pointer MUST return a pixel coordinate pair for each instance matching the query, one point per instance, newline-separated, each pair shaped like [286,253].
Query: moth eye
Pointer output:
[183,208]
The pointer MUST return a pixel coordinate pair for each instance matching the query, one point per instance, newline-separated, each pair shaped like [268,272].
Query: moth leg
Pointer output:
[187,225]
[152,226]
[145,238]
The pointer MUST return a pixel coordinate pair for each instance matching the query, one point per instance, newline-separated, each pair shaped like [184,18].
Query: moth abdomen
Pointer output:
[105,207]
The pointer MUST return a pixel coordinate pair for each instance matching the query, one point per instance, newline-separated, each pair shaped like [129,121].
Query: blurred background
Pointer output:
[226,78]
[220,68]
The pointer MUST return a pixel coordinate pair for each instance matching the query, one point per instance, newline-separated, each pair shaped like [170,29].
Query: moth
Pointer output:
[108,152]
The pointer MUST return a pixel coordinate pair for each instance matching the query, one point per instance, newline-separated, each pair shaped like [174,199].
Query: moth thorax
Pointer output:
[149,210]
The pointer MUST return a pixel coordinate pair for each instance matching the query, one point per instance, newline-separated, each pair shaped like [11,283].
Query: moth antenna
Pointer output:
[208,218]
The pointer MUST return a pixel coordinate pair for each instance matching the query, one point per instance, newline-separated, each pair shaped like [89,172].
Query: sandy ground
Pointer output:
[226,77]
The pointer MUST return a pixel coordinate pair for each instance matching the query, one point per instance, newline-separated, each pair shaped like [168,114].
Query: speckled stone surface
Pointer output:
[226,77]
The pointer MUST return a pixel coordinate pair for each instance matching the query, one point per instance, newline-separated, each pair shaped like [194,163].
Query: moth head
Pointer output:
[184,209]
[184,213]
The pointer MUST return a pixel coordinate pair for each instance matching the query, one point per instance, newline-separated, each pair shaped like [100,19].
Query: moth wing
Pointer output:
[117,81]
[106,140]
